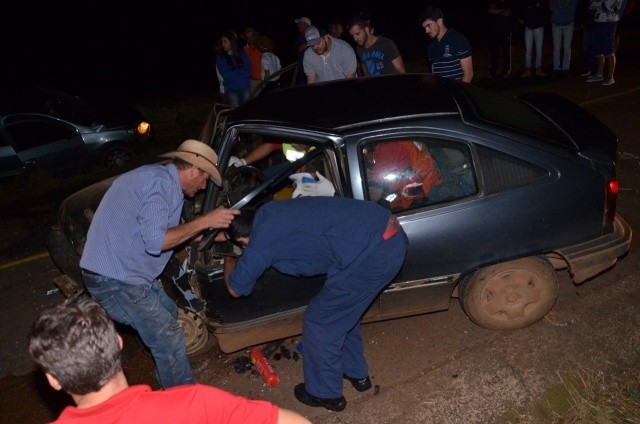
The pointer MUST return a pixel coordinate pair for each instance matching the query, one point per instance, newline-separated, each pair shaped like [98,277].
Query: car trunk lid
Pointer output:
[588,134]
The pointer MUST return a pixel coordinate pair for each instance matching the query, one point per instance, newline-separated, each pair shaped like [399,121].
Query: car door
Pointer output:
[441,172]
[45,143]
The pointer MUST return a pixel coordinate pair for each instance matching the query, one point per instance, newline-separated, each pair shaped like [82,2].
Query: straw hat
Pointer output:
[199,155]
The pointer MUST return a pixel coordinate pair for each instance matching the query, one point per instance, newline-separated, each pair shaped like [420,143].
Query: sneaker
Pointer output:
[585,74]
[540,72]
[333,404]
[526,73]
[609,81]
[360,384]
[595,78]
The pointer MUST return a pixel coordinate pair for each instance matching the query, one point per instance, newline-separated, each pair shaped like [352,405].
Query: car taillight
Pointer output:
[612,196]
[143,128]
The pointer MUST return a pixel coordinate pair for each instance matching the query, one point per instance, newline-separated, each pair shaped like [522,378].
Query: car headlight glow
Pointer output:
[143,128]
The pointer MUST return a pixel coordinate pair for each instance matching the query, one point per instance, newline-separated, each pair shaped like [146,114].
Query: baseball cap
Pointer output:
[304,19]
[312,36]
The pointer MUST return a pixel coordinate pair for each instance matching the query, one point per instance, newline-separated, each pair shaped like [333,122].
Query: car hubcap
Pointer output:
[511,294]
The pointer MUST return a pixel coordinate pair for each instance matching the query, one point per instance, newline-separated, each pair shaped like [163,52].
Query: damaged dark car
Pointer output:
[518,194]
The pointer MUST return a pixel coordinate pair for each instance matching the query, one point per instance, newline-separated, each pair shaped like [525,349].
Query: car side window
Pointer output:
[411,173]
[28,135]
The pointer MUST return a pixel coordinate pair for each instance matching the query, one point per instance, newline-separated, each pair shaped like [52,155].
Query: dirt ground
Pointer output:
[435,368]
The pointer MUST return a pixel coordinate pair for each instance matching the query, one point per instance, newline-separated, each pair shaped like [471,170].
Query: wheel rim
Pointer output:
[118,157]
[512,295]
[195,331]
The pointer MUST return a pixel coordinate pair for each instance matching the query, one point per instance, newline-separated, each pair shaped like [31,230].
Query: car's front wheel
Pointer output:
[510,295]
[196,335]
[116,156]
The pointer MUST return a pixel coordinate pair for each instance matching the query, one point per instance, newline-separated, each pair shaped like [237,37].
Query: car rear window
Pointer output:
[512,113]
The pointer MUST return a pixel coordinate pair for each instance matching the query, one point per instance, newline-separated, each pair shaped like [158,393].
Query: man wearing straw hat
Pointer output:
[130,240]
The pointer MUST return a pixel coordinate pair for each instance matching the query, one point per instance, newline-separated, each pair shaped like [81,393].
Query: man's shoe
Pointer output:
[585,74]
[540,72]
[595,78]
[360,384]
[526,73]
[335,404]
[609,81]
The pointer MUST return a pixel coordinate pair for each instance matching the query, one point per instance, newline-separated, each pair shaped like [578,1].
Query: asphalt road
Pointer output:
[432,368]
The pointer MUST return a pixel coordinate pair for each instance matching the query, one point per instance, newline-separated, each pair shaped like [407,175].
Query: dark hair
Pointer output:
[431,13]
[362,19]
[242,224]
[77,344]
[236,50]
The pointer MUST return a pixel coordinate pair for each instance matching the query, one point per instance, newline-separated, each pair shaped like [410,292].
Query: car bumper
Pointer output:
[589,258]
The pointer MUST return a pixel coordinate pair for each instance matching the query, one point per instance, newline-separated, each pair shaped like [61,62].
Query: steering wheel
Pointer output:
[240,185]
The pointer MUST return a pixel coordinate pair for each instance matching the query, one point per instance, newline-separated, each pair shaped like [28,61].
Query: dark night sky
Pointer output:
[147,46]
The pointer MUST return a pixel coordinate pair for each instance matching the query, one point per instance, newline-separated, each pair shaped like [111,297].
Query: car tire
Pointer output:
[197,339]
[116,156]
[510,295]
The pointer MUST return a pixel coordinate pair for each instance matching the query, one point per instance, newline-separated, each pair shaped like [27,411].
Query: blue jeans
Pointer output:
[531,35]
[562,37]
[149,310]
[236,97]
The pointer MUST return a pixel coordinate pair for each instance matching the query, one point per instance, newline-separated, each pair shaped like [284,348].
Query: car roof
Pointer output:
[337,105]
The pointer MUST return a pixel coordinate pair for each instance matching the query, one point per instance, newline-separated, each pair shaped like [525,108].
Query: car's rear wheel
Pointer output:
[116,156]
[510,295]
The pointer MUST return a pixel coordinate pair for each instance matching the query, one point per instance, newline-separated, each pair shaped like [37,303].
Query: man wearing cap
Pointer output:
[130,241]
[300,46]
[328,58]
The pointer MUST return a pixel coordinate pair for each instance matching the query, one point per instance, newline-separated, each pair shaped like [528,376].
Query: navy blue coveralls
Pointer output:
[358,244]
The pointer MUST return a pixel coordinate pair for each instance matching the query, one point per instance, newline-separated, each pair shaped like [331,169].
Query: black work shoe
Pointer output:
[360,384]
[335,404]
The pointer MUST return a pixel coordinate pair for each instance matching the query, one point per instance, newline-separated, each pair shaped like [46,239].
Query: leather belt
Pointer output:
[392,228]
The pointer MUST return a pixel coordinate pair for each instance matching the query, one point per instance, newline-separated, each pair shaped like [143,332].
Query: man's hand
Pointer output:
[234,161]
[219,218]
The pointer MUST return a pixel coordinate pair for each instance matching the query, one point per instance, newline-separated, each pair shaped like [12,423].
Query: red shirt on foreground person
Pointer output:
[76,345]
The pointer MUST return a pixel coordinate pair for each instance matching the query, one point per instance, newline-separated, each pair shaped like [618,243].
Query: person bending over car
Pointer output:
[130,241]
[359,245]
[77,347]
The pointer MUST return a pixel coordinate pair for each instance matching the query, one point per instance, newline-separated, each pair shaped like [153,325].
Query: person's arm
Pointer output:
[286,416]
[467,69]
[259,153]
[398,63]
[229,266]
[349,76]
[312,78]
[217,218]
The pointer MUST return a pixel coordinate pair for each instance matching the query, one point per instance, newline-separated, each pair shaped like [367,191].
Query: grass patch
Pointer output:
[586,396]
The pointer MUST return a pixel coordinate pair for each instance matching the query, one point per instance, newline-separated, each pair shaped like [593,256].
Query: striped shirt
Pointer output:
[127,231]
[445,54]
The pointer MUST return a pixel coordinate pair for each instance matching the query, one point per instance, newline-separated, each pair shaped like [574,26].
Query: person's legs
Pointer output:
[538,36]
[494,51]
[556,34]
[332,344]
[231,98]
[528,43]
[506,54]
[567,39]
[147,309]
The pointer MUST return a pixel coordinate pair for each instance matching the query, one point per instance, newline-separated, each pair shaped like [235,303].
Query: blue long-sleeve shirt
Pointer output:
[128,229]
[309,236]
[235,75]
